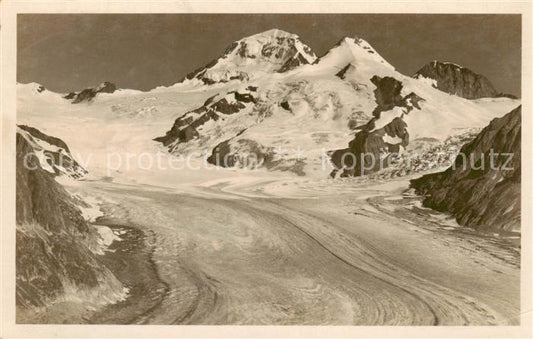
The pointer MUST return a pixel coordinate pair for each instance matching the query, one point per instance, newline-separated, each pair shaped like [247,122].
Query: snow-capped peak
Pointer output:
[271,33]
[283,37]
[267,52]
[354,51]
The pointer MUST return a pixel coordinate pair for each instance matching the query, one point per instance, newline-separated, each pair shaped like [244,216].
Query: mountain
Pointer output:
[271,51]
[480,192]
[299,120]
[350,96]
[454,79]
[354,55]
[88,94]
[56,247]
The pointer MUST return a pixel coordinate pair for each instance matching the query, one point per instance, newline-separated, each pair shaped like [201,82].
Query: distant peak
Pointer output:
[89,93]
[345,40]
[356,42]
[271,51]
[353,40]
[435,63]
[274,32]
[457,80]
[353,50]
[106,86]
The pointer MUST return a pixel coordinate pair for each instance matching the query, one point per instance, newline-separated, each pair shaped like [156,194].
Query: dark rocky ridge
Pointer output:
[369,142]
[480,196]
[88,94]
[457,80]
[53,241]
[185,128]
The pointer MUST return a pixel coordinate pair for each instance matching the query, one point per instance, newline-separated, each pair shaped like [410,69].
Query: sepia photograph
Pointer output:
[256,168]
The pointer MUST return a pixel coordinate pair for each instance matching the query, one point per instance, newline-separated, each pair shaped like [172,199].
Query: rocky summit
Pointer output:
[271,51]
[88,94]
[454,79]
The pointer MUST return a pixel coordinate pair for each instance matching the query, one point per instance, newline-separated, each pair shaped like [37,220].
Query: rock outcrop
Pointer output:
[186,127]
[383,136]
[54,257]
[89,94]
[457,80]
[481,190]
[53,153]
[249,154]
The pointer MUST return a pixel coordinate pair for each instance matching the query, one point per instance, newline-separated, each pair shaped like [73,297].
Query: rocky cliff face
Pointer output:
[54,262]
[481,194]
[88,94]
[457,80]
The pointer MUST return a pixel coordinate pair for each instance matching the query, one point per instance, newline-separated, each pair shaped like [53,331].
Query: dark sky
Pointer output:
[66,52]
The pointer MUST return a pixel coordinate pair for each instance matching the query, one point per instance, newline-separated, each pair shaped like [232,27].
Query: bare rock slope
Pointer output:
[480,194]
[461,81]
